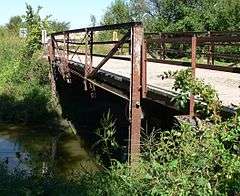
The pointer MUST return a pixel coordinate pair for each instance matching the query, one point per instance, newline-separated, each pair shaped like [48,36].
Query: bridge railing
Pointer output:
[154,47]
[195,45]
[216,50]
[79,43]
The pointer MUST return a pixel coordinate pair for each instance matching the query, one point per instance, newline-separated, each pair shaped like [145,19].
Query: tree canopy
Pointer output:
[177,15]
[117,12]
[56,26]
[32,17]
[14,23]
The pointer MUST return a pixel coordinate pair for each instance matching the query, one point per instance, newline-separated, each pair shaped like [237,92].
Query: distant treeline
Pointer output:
[18,21]
[176,15]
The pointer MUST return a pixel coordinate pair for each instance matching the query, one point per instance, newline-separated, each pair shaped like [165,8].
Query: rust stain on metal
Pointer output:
[88,57]
[135,111]
[110,54]
[144,70]
[59,53]
[192,99]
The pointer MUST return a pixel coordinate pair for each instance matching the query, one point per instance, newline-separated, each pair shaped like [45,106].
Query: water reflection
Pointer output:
[35,148]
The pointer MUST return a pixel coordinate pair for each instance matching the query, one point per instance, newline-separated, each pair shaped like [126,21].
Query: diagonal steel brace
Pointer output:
[110,54]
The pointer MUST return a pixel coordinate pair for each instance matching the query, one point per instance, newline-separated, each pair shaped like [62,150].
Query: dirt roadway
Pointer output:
[226,84]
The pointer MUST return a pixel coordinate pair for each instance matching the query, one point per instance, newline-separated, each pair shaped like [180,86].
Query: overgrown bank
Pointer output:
[24,85]
[24,90]
[200,160]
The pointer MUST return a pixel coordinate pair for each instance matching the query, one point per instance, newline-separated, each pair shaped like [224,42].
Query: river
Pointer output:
[32,147]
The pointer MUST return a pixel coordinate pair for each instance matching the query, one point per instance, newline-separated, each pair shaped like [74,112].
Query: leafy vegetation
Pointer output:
[178,16]
[14,24]
[106,143]
[32,17]
[190,161]
[24,90]
[174,15]
[208,105]
[201,160]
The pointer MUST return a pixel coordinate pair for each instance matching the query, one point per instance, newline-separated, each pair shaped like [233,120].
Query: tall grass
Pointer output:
[24,89]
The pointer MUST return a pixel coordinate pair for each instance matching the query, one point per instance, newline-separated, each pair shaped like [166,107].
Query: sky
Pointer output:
[77,12]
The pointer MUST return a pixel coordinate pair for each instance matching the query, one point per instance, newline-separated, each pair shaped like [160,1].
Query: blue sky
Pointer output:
[75,11]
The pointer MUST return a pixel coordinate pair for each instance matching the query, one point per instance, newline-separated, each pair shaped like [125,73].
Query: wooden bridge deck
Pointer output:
[226,83]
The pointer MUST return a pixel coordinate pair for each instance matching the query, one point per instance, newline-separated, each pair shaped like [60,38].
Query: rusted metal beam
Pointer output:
[110,54]
[201,40]
[135,111]
[65,58]
[101,55]
[94,43]
[209,51]
[109,42]
[216,39]
[88,56]
[192,33]
[101,28]
[76,51]
[192,99]
[102,86]
[144,71]
[183,40]
[175,62]
[51,50]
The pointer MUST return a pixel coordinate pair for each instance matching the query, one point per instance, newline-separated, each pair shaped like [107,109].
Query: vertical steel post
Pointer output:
[209,51]
[88,56]
[212,52]
[161,47]
[210,60]
[192,100]
[144,70]
[91,47]
[66,58]
[129,48]
[67,52]
[51,50]
[135,111]
[164,47]
[51,58]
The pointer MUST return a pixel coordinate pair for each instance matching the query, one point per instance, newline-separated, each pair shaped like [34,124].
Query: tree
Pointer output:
[176,15]
[14,23]
[34,25]
[227,15]
[56,26]
[138,10]
[93,20]
[117,12]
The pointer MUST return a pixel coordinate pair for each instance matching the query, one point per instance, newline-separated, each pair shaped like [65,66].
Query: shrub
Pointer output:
[24,90]
[208,105]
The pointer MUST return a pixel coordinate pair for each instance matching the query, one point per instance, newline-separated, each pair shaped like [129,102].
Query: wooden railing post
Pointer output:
[135,111]
[192,99]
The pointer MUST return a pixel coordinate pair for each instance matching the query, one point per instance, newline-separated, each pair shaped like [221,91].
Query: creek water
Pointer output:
[30,147]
